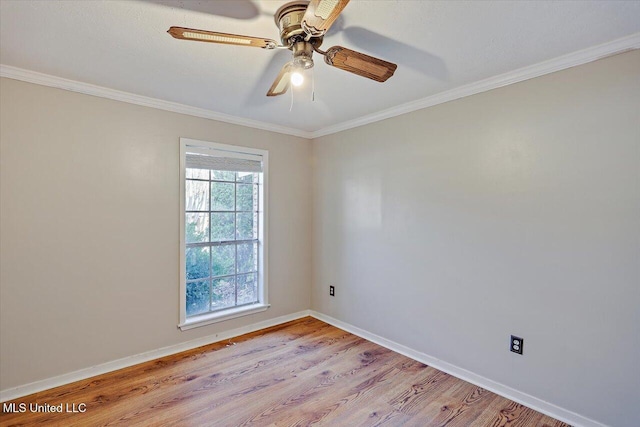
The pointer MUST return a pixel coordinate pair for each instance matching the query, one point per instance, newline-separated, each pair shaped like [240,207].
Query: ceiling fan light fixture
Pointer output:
[303,62]
[302,54]
[297,78]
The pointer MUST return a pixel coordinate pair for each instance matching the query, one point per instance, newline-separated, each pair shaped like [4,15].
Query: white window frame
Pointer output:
[195,146]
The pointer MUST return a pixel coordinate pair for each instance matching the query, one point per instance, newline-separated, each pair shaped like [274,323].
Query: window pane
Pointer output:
[222,226]
[246,223]
[222,196]
[245,197]
[197,227]
[247,177]
[197,297]
[247,257]
[247,288]
[223,175]
[197,260]
[221,206]
[196,195]
[224,293]
[224,260]
[197,173]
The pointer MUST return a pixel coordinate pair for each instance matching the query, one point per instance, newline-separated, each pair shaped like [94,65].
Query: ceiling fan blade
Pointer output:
[281,83]
[224,38]
[359,63]
[320,14]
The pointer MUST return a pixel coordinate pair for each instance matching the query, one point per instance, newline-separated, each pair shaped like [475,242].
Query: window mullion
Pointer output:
[221,243]
[210,248]
[255,254]
[235,208]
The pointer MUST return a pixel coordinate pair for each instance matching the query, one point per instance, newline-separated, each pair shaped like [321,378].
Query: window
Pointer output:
[223,233]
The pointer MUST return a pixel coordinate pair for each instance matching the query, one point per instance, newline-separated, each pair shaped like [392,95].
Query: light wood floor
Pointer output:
[301,373]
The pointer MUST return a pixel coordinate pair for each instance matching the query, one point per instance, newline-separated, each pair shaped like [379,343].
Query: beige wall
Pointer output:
[515,211]
[90,229]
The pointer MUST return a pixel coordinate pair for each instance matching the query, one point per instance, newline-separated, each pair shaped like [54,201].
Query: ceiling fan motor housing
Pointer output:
[289,19]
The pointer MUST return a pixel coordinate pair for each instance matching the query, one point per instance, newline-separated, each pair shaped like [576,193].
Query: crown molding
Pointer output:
[145,101]
[580,57]
[556,64]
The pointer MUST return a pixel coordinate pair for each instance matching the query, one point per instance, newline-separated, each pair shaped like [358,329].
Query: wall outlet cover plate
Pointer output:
[516,344]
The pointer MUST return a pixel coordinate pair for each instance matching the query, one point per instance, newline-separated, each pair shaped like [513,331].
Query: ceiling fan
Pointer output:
[302,25]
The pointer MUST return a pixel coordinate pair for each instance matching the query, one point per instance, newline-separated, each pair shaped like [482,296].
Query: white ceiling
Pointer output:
[439,46]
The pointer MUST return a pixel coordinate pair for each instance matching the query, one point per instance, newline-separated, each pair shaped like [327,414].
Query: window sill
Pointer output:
[209,318]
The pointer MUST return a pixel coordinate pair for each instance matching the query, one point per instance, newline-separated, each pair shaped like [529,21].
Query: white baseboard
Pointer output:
[82,374]
[532,402]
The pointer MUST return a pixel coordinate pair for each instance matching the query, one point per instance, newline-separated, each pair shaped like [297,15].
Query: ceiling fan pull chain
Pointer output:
[313,86]
[291,107]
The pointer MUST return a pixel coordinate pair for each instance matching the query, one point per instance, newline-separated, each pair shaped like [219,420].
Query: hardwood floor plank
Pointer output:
[417,394]
[468,403]
[237,379]
[514,414]
[314,383]
[252,395]
[300,373]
